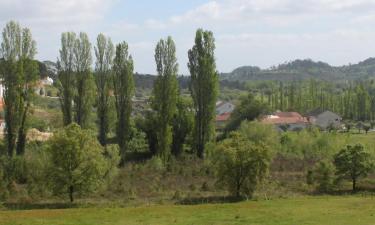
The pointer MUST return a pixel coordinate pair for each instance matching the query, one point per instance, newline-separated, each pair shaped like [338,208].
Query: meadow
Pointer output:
[358,210]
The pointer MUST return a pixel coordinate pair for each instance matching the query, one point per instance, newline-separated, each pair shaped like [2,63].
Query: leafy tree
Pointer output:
[123,83]
[84,80]
[182,124]
[165,94]
[323,175]
[66,80]
[148,125]
[260,133]
[104,52]
[19,72]
[78,162]
[204,88]
[353,162]
[366,128]
[249,109]
[241,164]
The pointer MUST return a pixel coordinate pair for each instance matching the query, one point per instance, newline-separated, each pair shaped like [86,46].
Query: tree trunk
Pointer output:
[354,184]
[71,190]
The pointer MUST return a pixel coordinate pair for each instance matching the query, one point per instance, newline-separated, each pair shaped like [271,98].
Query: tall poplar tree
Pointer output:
[123,84]
[204,88]
[165,94]
[84,80]
[19,73]
[66,79]
[104,52]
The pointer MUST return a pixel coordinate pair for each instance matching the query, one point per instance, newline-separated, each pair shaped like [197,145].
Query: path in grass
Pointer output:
[318,210]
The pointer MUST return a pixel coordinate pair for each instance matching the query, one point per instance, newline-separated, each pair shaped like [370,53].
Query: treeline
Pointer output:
[353,100]
[109,88]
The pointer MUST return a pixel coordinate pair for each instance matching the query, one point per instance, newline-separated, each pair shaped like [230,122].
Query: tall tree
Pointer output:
[165,94]
[19,73]
[123,83]
[84,81]
[182,124]
[66,79]
[104,52]
[204,88]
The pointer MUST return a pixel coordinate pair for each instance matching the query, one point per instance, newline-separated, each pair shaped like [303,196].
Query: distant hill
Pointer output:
[302,70]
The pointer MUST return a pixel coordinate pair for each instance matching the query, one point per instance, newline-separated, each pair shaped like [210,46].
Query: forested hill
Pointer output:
[302,70]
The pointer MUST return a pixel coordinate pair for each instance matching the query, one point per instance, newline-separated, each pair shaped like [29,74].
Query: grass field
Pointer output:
[308,210]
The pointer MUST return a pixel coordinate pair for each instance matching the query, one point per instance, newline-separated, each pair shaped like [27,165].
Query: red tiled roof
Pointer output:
[284,118]
[223,117]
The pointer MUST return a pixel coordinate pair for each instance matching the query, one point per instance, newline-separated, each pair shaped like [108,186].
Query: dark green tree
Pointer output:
[249,109]
[352,163]
[84,80]
[123,84]
[204,88]
[19,72]
[182,124]
[165,94]
[104,52]
[66,76]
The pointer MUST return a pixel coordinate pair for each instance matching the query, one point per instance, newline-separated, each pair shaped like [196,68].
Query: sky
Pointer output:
[260,33]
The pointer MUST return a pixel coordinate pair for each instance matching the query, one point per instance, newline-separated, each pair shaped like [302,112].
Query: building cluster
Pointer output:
[293,121]
[285,121]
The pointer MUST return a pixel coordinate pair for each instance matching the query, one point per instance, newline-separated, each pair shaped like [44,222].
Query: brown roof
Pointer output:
[284,118]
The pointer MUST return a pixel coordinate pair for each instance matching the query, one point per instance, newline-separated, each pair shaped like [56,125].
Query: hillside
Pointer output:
[302,70]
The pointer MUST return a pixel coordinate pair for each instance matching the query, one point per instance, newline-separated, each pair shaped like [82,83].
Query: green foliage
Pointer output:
[83,100]
[183,123]
[323,176]
[19,71]
[78,163]
[241,164]
[148,126]
[353,162]
[204,88]
[38,164]
[259,133]
[138,142]
[123,84]
[66,80]
[104,52]
[165,95]
[249,109]
[311,144]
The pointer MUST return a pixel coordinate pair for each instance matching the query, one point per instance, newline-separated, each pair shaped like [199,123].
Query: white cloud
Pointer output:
[54,11]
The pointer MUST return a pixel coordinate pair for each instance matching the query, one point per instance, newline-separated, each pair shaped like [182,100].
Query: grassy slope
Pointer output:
[311,210]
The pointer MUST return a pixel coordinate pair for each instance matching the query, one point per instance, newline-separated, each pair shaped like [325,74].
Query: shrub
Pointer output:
[323,176]
[241,164]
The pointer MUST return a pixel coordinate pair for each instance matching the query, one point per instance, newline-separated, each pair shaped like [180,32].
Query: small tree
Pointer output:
[352,163]
[366,128]
[323,175]
[241,164]
[78,162]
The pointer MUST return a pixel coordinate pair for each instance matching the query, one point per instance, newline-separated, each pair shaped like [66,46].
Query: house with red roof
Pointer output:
[286,121]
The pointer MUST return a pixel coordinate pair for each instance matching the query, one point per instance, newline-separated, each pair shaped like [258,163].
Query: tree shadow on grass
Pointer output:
[210,200]
[31,206]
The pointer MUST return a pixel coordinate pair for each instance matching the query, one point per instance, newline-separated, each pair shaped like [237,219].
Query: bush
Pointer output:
[241,164]
[38,164]
[324,176]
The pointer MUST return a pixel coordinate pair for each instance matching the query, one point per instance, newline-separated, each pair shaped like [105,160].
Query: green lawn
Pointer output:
[307,210]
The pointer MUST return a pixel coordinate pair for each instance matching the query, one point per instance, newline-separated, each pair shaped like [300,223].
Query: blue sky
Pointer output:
[248,32]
